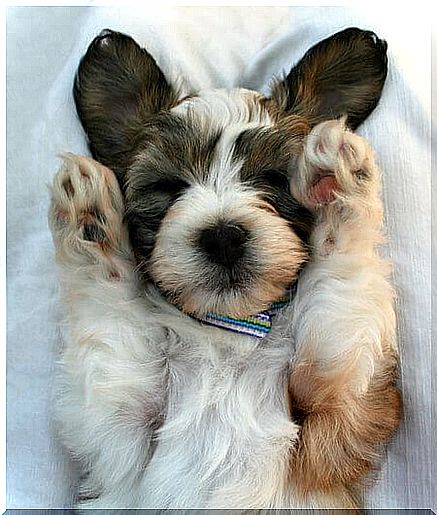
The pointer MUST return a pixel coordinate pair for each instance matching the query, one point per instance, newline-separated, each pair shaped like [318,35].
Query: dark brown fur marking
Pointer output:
[343,74]
[118,87]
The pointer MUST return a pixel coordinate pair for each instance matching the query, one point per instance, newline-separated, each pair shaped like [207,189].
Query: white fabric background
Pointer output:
[209,47]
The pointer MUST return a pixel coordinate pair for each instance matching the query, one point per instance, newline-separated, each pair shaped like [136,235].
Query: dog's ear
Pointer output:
[118,86]
[341,75]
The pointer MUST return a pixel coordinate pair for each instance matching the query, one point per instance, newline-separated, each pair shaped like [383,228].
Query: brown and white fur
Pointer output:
[164,412]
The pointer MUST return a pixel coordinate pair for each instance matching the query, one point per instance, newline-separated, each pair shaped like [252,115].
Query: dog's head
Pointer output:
[206,177]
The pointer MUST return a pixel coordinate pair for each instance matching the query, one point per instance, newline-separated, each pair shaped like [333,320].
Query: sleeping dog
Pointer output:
[229,339]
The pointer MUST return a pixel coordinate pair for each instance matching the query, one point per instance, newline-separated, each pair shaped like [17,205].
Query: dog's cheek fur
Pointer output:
[283,253]
[144,215]
[142,234]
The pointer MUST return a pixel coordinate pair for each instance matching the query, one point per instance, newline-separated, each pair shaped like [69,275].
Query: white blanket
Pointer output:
[207,47]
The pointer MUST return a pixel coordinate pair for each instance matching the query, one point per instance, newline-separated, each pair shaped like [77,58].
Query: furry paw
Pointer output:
[86,211]
[336,164]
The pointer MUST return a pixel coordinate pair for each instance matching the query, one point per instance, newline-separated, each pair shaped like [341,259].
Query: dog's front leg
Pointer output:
[113,371]
[342,381]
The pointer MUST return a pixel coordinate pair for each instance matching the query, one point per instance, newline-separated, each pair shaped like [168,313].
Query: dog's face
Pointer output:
[206,178]
[209,206]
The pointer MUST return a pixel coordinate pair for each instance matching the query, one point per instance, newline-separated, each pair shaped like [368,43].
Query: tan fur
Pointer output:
[295,125]
[343,388]
[284,255]
[341,432]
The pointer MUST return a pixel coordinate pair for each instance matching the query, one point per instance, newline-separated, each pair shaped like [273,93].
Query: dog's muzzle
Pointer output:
[224,243]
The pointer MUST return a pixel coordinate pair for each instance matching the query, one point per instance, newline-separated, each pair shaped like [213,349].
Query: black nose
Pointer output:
[224,243]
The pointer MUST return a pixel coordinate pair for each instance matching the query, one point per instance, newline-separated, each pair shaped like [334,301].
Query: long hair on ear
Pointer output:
[117,88]
[342,75]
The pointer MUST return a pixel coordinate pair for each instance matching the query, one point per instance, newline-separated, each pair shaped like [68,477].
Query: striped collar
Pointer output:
[257,325]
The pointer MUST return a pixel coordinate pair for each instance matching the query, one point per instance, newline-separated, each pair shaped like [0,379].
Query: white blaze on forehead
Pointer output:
[223,107]
[228,112]
[203,205]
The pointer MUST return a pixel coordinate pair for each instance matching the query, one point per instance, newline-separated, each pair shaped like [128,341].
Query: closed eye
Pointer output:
[273,179]
[171,187]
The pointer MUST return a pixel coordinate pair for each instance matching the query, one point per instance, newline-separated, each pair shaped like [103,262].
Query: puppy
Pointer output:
[210,208]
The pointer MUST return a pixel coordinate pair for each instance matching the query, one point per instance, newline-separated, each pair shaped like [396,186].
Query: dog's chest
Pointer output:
[227,419]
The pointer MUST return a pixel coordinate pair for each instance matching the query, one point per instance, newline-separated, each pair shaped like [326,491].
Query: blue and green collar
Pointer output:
[257,325]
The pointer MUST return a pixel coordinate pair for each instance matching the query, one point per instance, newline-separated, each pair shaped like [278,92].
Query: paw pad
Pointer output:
[336,164]
[324,190]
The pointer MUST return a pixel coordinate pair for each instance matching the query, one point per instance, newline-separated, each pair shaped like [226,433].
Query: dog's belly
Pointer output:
[227,436]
